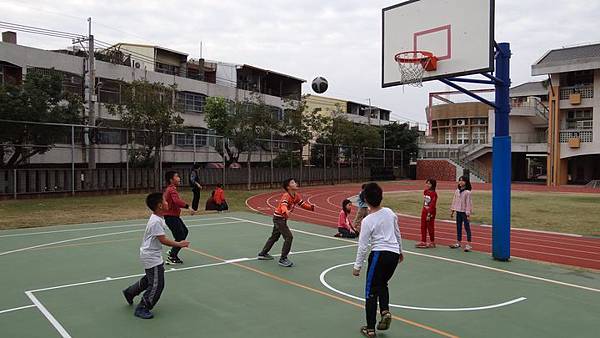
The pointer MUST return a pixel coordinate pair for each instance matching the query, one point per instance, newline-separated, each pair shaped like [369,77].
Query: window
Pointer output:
[579,119]
[166,69]
[109,91]
[448,136]
[191,102]
[111,136]
[202,138]
[462,136]
[479,135]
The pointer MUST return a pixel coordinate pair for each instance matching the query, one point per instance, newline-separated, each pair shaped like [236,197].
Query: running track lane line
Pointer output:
[547,280]
[323,293]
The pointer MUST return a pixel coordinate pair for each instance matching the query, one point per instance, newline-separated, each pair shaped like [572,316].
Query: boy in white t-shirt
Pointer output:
[379,230]
[151,256]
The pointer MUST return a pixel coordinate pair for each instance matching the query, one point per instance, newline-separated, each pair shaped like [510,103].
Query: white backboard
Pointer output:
[460,33]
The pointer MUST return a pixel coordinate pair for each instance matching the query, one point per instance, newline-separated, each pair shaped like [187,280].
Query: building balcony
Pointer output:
[586,91]
[584,136]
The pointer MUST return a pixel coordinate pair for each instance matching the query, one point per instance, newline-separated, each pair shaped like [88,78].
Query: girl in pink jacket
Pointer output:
[463,206]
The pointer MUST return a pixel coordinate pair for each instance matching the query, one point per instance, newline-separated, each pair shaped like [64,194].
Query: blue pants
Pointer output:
[461,218]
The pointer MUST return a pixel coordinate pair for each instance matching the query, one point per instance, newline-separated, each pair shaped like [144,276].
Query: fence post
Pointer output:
[339,166]
[351,166]
[301,162]
[224,162]
[271,161]
[402,163]
[15,183]
[127,163]
[73,160]
[309,162]
[324,163]
[194,141]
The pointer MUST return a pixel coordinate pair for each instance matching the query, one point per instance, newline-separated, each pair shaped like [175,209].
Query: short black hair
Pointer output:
[220,185]
[196,165]
[433,183]
[153,200]
[169,176]
[363,186]
[286,183]
[373,194]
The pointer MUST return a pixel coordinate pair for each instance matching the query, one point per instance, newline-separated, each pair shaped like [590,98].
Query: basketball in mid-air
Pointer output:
[319,85]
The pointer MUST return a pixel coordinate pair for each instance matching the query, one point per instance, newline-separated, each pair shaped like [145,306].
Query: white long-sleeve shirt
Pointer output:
[380,230]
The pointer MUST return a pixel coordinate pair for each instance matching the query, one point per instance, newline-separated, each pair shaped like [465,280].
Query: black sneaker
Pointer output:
[143,313]
[128,298]
[285,263]
[173,260]
[264,257]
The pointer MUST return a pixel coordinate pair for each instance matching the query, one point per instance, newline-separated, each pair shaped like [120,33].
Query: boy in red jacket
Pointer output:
[286,205]
[174,222]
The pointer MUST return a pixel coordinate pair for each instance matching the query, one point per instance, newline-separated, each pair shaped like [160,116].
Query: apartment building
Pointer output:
[195,80]
[574,113]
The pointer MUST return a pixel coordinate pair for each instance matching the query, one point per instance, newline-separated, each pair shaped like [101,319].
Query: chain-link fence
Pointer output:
[50,158]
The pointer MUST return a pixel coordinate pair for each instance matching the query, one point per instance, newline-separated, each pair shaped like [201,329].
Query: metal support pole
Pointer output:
[324,163]
[309,162]
[351,166]
[224,162]
[127,163]
[194,141]
[73,160]
[501,158]
[272,170]
[15,183]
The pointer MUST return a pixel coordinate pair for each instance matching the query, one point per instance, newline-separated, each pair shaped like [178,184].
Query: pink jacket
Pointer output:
[462,202]
[343,221]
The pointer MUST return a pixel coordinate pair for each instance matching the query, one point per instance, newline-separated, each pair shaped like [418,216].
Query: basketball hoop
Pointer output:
[413,65]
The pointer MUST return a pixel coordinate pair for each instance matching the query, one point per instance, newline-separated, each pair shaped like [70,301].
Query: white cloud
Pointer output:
[336,39]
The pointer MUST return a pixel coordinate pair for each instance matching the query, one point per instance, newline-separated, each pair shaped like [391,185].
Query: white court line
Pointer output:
[17,308]
[229,261]
[96,236]
[437,309]
[547,280]
[48,315]
[138,223]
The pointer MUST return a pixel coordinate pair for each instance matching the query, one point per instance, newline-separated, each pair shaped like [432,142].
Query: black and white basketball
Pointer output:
[320,85]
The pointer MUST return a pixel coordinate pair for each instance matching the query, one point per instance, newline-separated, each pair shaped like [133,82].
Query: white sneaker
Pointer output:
[468,248]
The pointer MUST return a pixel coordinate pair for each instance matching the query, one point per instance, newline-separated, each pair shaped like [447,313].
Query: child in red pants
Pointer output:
[428,214]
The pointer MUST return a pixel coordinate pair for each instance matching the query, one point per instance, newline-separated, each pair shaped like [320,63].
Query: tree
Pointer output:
[400,136]
[241,124]
[149,107]
[41,98]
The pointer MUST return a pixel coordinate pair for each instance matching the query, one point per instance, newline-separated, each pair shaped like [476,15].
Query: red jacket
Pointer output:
[429,201]
[288,203]
[219,196]
[174,201]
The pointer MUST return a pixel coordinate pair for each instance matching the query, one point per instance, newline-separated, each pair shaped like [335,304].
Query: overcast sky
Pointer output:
[340,40]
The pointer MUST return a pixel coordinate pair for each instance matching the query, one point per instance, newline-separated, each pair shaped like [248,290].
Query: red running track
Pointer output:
[548,247]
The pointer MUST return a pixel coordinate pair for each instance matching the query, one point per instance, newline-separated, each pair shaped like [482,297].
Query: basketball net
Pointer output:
[412,66]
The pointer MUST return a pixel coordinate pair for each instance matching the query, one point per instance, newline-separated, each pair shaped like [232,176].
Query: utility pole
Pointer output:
[91,97]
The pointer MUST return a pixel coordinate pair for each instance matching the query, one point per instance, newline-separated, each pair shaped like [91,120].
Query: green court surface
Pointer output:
[67,281]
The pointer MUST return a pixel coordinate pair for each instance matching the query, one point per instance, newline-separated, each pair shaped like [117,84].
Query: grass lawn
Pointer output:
[561,212]
[69,210]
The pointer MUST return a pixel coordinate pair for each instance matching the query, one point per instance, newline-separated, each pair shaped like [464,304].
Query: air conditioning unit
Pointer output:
[461,122]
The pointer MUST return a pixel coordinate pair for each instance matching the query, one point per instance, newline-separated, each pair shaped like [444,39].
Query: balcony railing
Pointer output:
[585,136]
[586,91]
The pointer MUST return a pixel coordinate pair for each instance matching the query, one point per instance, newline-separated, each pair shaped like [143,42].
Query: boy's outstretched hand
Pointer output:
[401,258]
[184,244]
[355,272]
